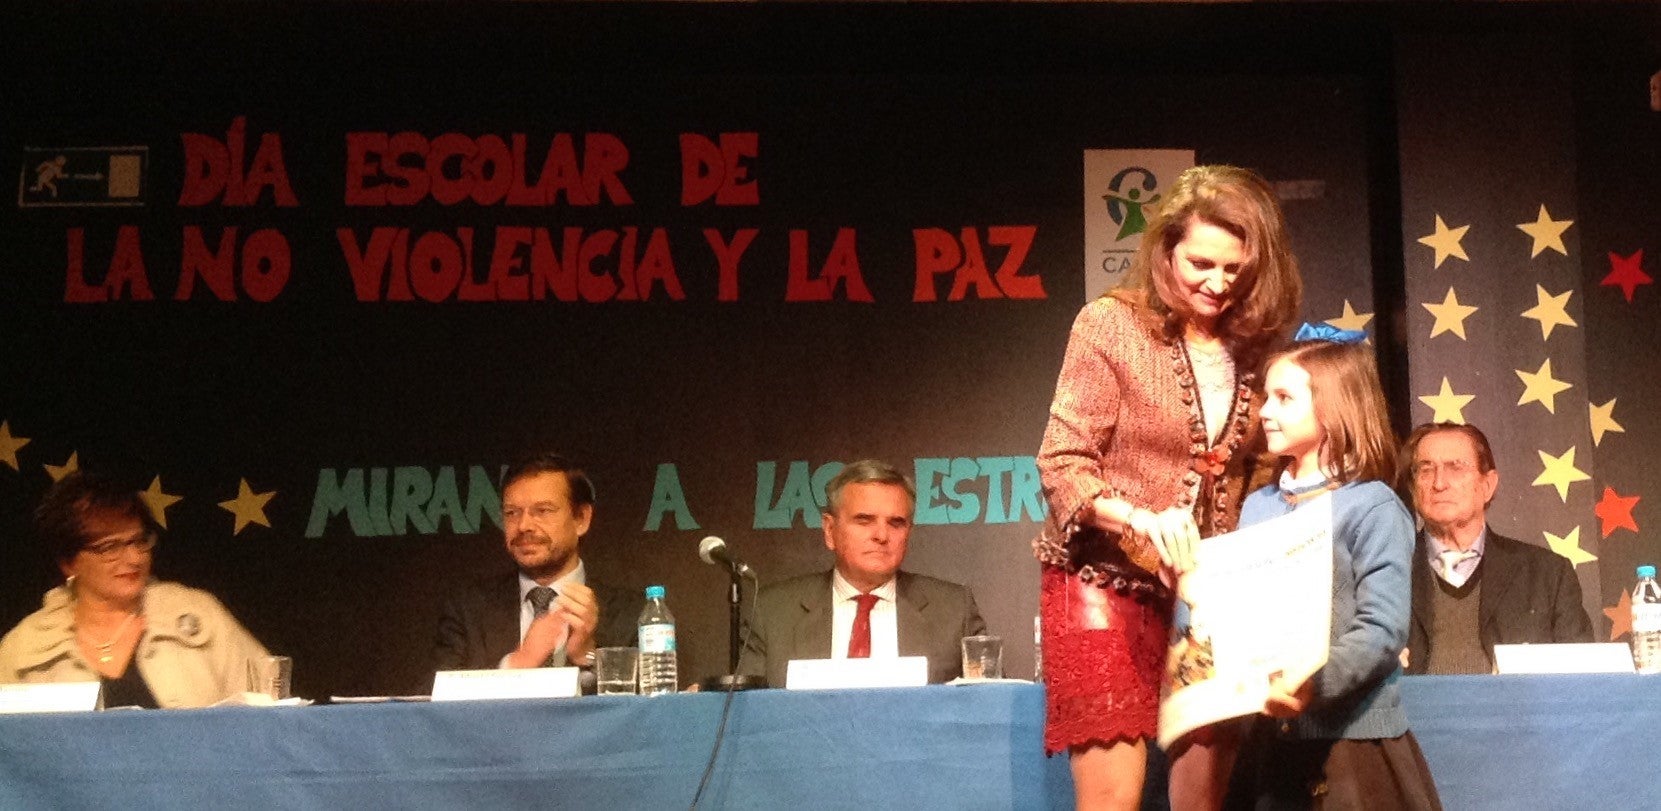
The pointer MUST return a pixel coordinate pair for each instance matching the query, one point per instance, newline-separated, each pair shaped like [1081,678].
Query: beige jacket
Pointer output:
[193,652]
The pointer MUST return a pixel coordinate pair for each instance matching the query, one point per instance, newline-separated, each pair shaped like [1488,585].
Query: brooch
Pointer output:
[189,625]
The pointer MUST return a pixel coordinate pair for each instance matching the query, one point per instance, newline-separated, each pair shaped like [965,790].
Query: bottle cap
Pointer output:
[1646,571]
[657,591]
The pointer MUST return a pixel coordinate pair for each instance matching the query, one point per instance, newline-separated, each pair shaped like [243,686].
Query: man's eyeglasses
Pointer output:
[111,550]
[1456,469]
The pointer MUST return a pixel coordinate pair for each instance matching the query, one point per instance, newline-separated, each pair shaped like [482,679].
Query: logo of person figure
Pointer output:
[1124,206]
[48,174]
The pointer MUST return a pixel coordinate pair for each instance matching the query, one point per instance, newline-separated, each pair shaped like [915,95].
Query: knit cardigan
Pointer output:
[1355,693]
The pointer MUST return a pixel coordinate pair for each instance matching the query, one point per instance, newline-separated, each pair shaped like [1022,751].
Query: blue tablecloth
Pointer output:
[1493,742]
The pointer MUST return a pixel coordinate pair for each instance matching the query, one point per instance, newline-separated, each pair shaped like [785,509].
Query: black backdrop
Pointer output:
[877,120]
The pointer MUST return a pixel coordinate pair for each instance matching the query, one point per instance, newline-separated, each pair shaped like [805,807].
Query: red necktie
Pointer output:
[859,642]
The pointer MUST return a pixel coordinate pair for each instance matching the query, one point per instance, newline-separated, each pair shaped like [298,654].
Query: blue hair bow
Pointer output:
[1328,332]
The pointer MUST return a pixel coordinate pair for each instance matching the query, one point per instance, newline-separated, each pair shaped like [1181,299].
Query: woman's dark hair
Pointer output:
[60,520]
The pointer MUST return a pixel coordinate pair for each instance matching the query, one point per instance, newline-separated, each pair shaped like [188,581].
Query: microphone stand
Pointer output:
[732,679]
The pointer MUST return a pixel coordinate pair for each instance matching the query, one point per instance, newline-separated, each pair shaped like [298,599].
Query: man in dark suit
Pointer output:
[864,606]
[549,611]
[1473,588]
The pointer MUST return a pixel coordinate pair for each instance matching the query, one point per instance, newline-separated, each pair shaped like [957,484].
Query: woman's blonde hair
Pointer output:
[1267,292]
[1357,443]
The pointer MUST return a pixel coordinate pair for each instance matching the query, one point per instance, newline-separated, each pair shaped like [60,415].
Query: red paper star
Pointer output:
[1620,617]
[1626,272]
[1614,511]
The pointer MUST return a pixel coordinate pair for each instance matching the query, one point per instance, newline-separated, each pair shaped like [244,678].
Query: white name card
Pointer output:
[841,674]
[1568,657]
[72,696]
[475,685]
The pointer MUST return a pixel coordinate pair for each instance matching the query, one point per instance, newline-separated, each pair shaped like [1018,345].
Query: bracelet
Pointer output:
[1130,518]
[586,660]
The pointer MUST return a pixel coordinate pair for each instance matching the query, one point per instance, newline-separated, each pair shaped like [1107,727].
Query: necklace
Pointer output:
[106,649]
[1210,459]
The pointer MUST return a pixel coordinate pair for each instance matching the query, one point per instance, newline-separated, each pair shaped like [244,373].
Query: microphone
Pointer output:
[714,550]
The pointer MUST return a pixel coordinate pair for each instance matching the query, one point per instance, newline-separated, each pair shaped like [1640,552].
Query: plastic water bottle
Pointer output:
[1038,649]
[657,646]
[1646,622]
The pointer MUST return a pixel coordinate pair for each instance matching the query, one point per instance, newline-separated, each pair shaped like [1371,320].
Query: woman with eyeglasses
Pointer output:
[151,643]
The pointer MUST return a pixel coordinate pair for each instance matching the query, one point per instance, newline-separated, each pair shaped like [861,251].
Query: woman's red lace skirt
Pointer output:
[1104,660]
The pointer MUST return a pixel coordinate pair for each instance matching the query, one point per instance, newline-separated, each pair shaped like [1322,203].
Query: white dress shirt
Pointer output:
[1463,570]
[885,628]
[578,575]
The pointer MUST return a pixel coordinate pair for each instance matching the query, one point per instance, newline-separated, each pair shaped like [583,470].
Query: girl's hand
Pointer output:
[1287,701]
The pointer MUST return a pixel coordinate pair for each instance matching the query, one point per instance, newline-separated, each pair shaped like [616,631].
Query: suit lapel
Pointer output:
[1496,584]
[500,623]
[910,603]
[813,628]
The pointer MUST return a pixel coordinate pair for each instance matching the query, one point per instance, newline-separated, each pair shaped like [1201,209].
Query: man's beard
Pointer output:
[554,562]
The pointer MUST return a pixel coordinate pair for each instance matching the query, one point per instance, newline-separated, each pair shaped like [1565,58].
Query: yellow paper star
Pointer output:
[1540,387]
[57,472]
[1569,546]
[1551,311]
[1560,472]
[1450,315]
[158,501]
[1446,241]
[1546,233]
[248,507]
[1603,421]
[9,445]
[1448,407]
[1351,319]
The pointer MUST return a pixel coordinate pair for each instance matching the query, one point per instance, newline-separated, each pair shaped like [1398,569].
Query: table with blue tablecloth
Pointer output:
[1493,742]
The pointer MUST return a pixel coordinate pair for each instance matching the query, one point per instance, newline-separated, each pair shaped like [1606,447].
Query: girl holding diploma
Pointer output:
[1340,738]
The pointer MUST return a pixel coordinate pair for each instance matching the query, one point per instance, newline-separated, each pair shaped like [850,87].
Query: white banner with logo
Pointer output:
[1122,189]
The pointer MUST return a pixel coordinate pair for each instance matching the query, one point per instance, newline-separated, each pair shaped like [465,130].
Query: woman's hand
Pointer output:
[1172,532]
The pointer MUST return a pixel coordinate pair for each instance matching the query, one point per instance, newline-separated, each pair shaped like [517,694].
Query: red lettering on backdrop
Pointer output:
[435,264]
[265,264]
[213,267]
[76,290]
[727,256]
[214,169]
[363,154]
[508,275]
[657,267]
[404,169]
[548,272]
[711,169]
[841,266]
[604,155]
[939,252]
[367,264]
[973,272]
[595,286]
[1019,240]
[446,168]
[127,268]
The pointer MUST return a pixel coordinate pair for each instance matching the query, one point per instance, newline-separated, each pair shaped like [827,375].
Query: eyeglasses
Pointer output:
[111,550]
[1455,469]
